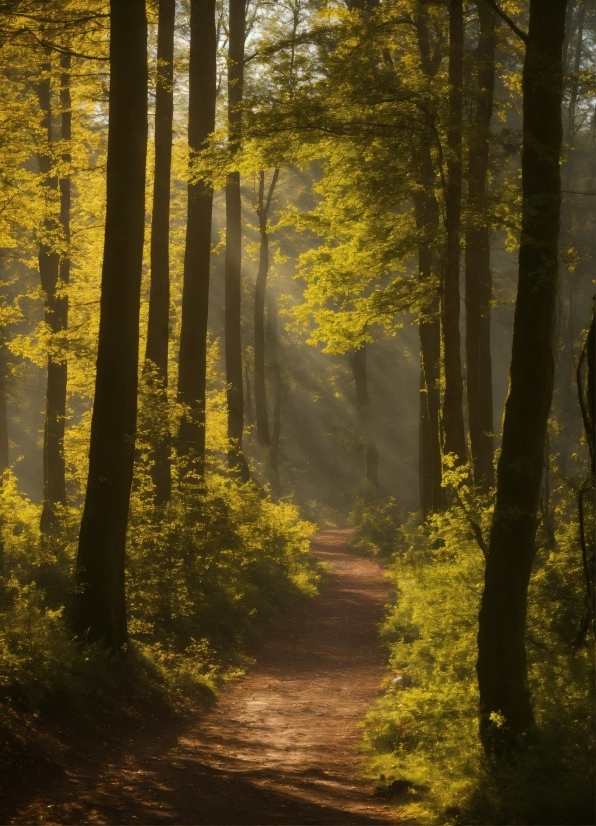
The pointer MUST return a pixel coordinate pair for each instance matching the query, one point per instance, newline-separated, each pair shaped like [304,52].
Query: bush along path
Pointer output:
[281,745]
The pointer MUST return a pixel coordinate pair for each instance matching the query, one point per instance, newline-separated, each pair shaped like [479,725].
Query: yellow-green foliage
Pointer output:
[35,652]
[212,562]
[377,519]
[218,557]
[203,572]
[425,729]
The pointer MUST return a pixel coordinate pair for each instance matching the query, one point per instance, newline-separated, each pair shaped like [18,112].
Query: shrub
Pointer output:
[425,731]
[377,520]
[212,566]
[203,573]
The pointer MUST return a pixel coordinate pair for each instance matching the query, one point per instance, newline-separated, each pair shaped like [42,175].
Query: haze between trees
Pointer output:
[385,142]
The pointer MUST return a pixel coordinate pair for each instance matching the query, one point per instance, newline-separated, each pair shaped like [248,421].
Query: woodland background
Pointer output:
[364,165]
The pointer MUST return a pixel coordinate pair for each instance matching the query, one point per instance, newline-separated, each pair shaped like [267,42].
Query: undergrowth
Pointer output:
[423,735]
[204,573]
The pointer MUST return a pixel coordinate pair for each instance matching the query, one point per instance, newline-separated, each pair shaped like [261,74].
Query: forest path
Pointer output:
[280,746]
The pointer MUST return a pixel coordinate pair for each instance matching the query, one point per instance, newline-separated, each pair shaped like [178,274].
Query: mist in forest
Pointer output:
[322,454]
[297,410]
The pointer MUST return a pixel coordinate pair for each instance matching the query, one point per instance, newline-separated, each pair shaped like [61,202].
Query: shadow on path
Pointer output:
[281,745]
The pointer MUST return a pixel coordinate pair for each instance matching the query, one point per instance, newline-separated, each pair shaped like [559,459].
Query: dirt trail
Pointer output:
[281,745]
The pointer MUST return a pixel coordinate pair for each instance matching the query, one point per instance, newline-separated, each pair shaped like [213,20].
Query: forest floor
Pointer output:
[280,746]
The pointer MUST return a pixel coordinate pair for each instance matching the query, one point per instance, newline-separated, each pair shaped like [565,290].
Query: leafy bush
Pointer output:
[203,573]
[425,729]
[212,565]
[377,520]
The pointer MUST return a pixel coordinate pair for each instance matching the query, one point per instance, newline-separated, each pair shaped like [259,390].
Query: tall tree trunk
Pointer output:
[427,224]
[427,219]
[260,393]
[586,393]
[236,459]
[424,449]
[358,365]
[273,347]
[100,606]
[501,663]
[250,416]
[53,270]
[453,417]
[192,371]
[4,461]
[431,499]
[478,274]
[581,13]
[159,297]
[589,415]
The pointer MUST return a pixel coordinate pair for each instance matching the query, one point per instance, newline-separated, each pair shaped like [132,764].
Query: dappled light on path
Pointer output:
[280,746]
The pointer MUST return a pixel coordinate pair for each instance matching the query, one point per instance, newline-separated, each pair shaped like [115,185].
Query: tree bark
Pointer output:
[591,390]
[586,395]
[54,270]
[427,219]
[427,224]
[159,297]
[358,365]
[4,460]
[4,463]
[100,607]
[260,287]
[576,67]
[273,347]
[192,371]
[424,450]
[478,273]
[250,417]
[233,261]
[431,499]
[453,417]
[501,662]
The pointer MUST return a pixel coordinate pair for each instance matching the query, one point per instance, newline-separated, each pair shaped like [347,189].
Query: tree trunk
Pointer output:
[250,416]
[501,663]
[192,372]
[431,470]
[273,347]
[427,224]
[424,449]
[159,296]
[100,607]
[358,365]
[260,393]
[576,67]
[591,390]
[4,461]
[53,270]
[427,219]
[4,464]
[233,260]
[453,417]
[586,395]
[478,274]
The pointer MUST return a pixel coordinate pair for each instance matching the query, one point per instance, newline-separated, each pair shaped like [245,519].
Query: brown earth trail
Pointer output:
[281,745]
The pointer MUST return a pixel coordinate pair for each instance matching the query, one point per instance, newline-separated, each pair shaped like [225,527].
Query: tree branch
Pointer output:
[271,188]
[476,529]
[521,34]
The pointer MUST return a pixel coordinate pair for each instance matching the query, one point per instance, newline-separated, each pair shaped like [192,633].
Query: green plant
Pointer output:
[377,520]
[425,729]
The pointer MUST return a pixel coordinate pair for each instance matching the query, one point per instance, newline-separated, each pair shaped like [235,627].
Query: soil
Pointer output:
[280,746]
